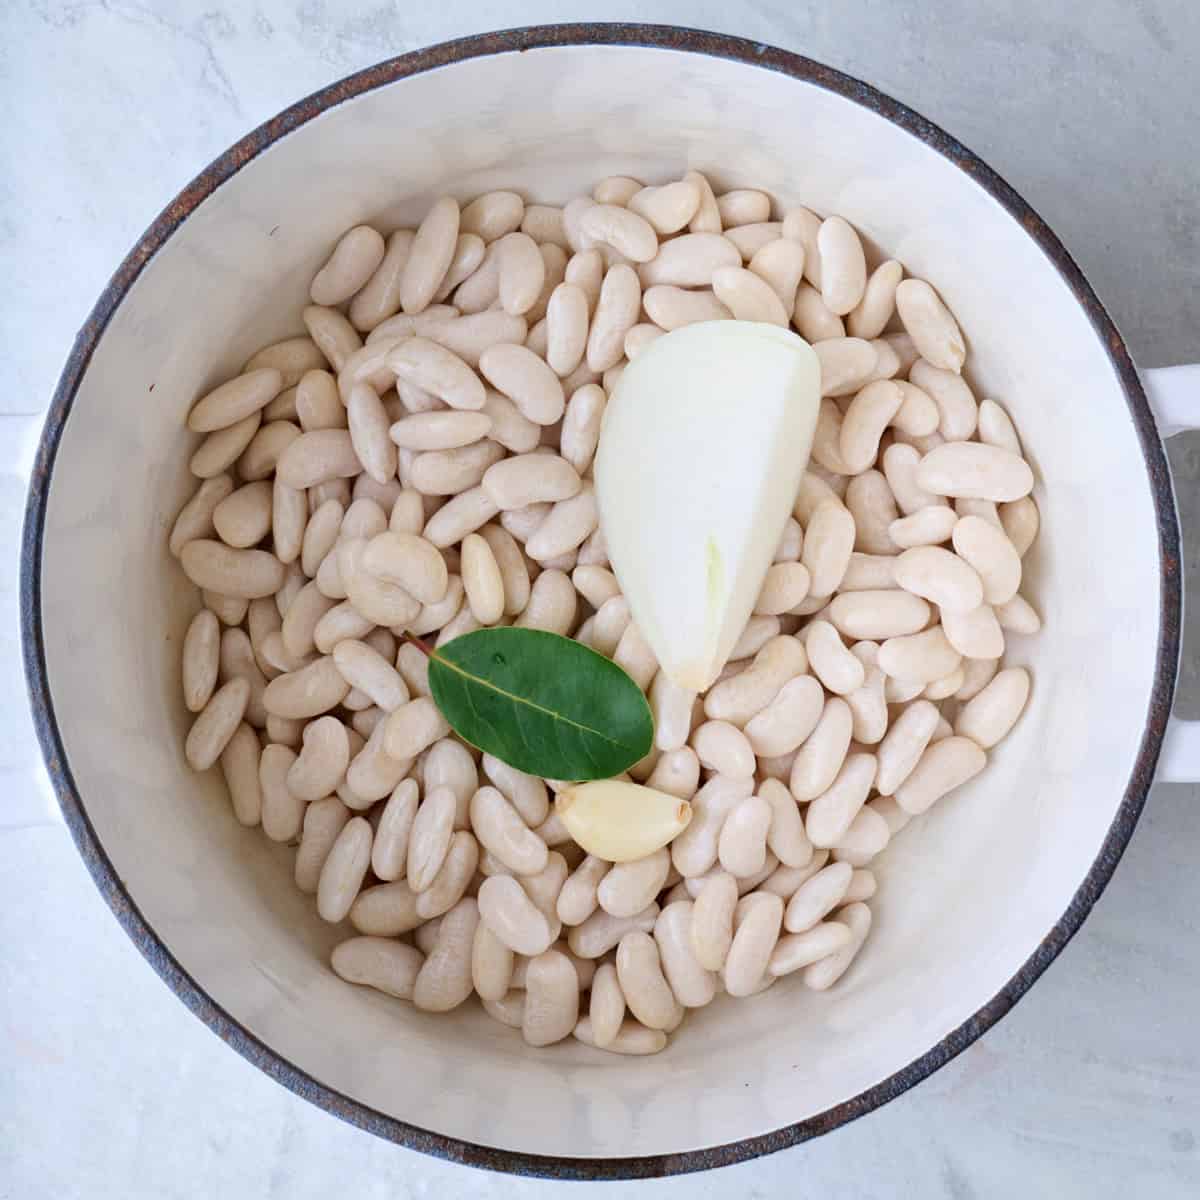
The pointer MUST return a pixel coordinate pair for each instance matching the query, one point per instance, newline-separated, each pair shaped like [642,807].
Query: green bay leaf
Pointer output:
[541,703]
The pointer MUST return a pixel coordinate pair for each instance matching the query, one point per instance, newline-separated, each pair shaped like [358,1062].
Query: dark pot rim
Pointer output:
[110,883]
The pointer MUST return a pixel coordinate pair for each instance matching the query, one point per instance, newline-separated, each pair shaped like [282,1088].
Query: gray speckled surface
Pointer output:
[1091,1088]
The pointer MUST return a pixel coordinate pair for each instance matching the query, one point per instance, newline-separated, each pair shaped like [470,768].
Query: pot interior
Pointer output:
[966,894]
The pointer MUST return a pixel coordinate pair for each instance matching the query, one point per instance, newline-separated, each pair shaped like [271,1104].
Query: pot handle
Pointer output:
[28,796]
[1174,395]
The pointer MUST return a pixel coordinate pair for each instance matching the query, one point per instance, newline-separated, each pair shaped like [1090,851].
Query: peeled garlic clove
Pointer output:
[724,413]
[620,821]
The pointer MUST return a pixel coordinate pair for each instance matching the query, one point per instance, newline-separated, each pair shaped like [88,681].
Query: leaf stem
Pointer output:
[412,639]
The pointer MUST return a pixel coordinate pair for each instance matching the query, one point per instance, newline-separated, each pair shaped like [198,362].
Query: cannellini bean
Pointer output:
[383,964]
[869,414]
[781,265]
[333,334]
[785,880]
[918,416]
[1020,521]
[810,316]
[443,430]
[743,206]
[920,657]
[873,508]
[689,261]
[751,238]
[551,999]
[944,766]
[866,837]
[237,660]
[877,614]
[318,405]
[463,514]
[821,756]
[354,260]
[758,632]
[581,426]
[629,887]
[414,726]
[234,401]
[756,930]
[748,297]
[786,584]
[526,380]
[671,307]
[318,456]
[926,527]
[694,850]
[930,324]
[323,822]
[579,896]
[343,871]
[239,765]
[816,898]
[830,659]
[522,272]
[646,991]
[708,216]
[482,581]
[738,699]
[491,964]
[422,361]
[444,980]
[868,704]
[672,709]
[229,610]
[408,562]
[958,413]
[691,984]
[429,838]
[373,773]
[244,574]
[616,313]
[843,266]
[551,604]
[900,469]
[668,208]
[827,971]
[631,1038]
[526,793]
[828,544]
[601,931]
[291,357]
[282,811]
[386,910]
[366,669]
[379,298]
[974,470]
[201,659]
[453,878]
[975,634]
[870,316]
[566,328]
[990,715]
[220,450]
[195,519]
[742,845]
[493,215]
[995,559]
[941,577]
[847,364]
[565,527]
[869,572]
[785,834]
[217,723]
[829,815]
[500,830]
[788,719]
[607,1006]
[677,773]
[1018,615]
[622,229]
[389,849]
[711,930]
[723,748]
[322,762]
[796,950]
[634,656]
[544,223]
[430,255]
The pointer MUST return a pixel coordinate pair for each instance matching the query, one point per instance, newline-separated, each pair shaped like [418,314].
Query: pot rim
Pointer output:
[662,37]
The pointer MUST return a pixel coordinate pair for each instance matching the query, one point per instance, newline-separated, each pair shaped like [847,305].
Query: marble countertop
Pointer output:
[109,1087]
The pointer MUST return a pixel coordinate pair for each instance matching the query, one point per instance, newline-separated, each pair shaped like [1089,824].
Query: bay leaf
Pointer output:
[542,703]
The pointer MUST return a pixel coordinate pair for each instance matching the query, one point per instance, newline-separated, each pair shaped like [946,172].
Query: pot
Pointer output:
[976,899]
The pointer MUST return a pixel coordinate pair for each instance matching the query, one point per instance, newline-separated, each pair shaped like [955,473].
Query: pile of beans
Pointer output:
[420,463]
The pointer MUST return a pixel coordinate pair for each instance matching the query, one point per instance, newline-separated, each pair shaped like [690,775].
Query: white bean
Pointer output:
[827,971]
[821,756]
[381,963]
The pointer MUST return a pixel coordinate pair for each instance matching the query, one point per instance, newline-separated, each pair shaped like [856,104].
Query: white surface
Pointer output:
[1091,1088]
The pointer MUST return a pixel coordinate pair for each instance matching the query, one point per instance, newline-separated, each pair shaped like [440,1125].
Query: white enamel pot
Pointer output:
[975,901]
